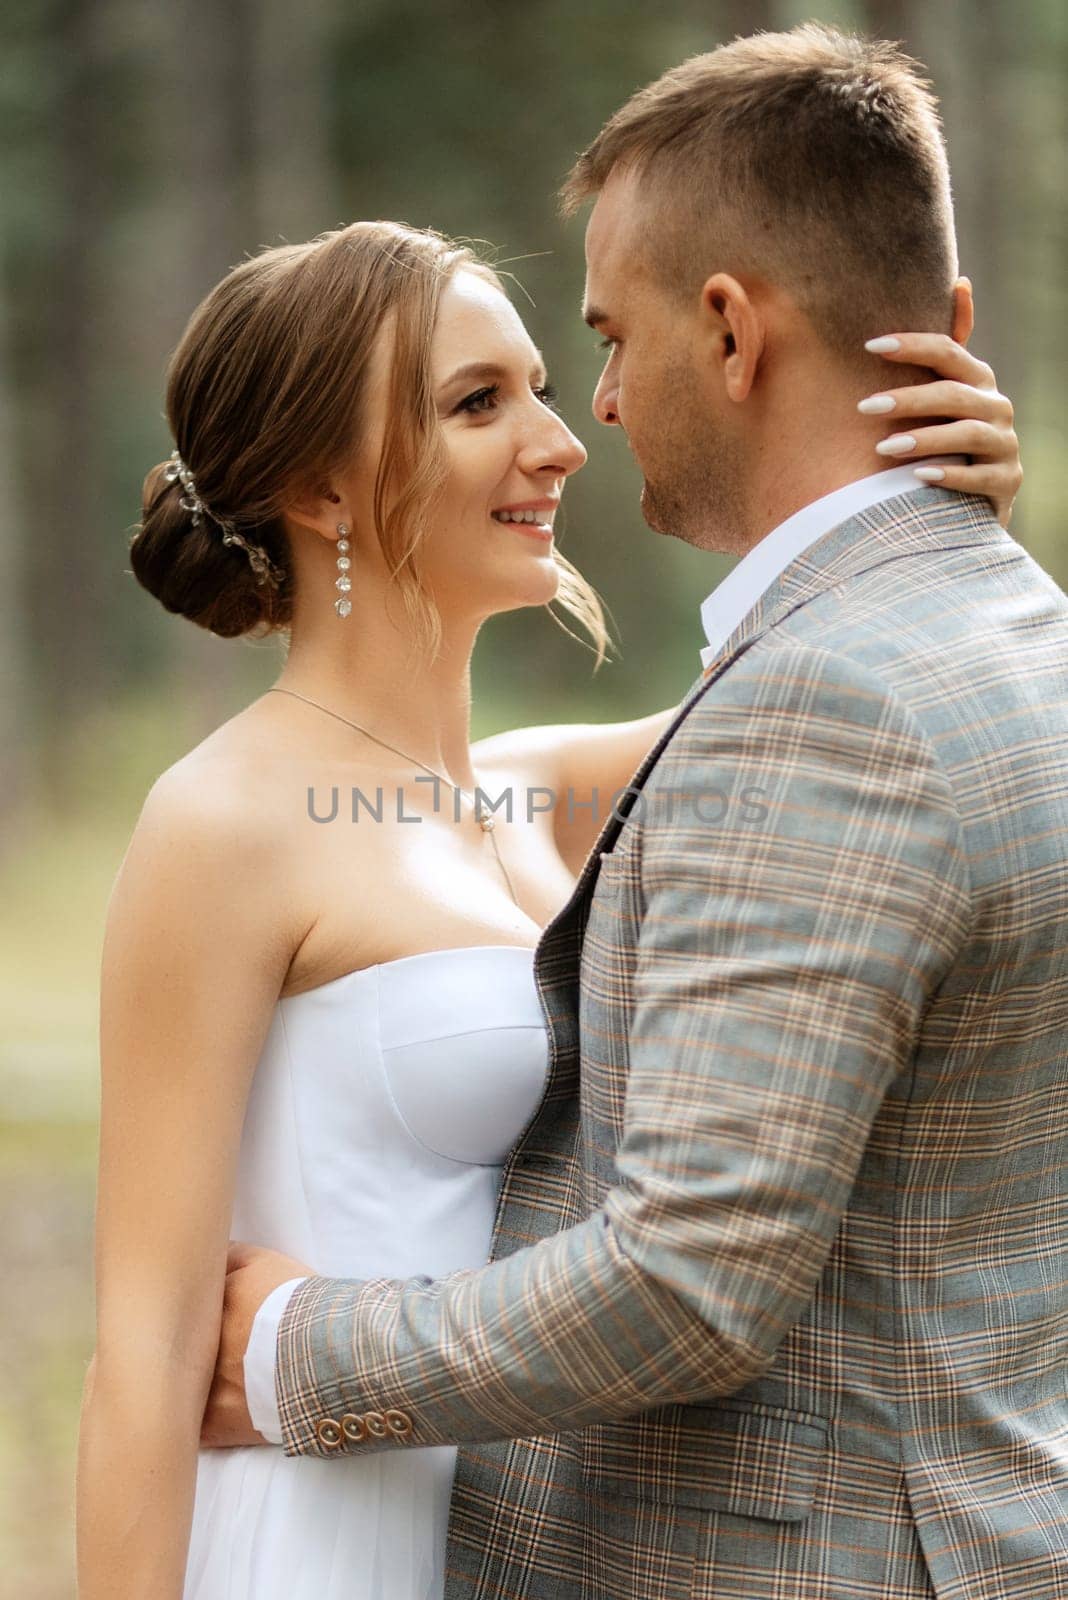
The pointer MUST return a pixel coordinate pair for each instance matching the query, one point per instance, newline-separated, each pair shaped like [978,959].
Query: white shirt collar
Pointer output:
[737,594]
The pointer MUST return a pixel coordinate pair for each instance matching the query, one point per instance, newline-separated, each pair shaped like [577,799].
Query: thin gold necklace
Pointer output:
[486,823]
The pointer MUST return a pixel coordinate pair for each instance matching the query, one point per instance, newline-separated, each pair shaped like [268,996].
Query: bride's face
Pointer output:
[509,455]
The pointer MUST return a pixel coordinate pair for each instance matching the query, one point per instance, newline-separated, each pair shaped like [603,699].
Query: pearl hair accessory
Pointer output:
[343,605]
[260,562]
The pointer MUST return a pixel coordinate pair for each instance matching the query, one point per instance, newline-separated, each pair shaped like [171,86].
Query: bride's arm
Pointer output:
[193,962]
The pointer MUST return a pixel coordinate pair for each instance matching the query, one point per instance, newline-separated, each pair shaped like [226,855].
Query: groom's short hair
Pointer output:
[813,159]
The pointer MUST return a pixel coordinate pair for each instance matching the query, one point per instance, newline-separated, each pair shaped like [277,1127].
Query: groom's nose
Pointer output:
[606,399]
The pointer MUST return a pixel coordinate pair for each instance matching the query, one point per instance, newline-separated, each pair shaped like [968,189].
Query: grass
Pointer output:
[55,879]
[46,1205]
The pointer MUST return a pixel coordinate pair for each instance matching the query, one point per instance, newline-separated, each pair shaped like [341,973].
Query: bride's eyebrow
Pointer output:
[490,372]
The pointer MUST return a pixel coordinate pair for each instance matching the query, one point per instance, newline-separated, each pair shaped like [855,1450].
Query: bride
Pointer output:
[319,1022]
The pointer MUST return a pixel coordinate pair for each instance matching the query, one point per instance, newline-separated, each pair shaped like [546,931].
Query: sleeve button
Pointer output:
[328,1433]
[399,1424]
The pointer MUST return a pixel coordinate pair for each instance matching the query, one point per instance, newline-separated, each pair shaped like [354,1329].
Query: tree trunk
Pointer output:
[15,710]
[210,106]
[68,584]
[292,182]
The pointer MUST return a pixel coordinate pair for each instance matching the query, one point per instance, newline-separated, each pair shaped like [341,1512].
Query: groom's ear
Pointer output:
[963,310]
[735,332]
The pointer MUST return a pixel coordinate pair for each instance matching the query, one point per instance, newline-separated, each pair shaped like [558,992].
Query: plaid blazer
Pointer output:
[779,1303]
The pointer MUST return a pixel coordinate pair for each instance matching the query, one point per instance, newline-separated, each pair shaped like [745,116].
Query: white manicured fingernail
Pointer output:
[899,444]
[883,346]
[877,403]
[930,474]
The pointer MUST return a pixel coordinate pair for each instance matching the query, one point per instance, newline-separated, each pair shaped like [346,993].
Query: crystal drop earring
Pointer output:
[343,605]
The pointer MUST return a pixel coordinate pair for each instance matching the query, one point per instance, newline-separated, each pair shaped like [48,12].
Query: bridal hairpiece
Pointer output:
[260,562]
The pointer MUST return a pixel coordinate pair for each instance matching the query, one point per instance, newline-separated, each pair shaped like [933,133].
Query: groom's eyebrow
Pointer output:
[594,316]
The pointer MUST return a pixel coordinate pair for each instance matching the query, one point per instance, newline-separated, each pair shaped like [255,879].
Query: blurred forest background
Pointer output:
[146,148]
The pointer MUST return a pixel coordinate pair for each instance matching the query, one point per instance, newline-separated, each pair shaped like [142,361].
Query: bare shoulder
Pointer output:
[535,753]
[210,852]
[213,804]
[241,779]
[580,754]
[198,938]
[583,764]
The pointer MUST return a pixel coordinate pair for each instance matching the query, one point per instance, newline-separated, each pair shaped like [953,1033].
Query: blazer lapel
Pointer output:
[925,519]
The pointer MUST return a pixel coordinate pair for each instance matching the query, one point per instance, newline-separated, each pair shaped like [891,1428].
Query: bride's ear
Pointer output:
[963,310]
[318,507]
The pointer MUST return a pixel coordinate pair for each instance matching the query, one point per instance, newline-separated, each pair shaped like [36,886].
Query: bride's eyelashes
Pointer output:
[481,401]
[484,401]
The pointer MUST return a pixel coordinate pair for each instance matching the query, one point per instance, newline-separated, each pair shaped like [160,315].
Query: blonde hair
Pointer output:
[265,397]
[812,158]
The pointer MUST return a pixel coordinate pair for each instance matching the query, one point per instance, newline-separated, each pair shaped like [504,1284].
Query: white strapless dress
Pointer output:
[380,1115]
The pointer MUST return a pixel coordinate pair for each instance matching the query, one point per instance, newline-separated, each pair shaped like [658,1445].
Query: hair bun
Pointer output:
[197,568]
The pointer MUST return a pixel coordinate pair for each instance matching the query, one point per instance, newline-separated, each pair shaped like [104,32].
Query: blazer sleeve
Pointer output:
[787,952]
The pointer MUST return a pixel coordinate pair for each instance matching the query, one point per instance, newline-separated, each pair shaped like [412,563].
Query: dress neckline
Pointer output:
[400,961]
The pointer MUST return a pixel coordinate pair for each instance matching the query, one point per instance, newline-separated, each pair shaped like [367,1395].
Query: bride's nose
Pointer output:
[552,447]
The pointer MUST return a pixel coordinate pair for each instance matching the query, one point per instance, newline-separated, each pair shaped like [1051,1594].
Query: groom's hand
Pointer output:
[251,1274]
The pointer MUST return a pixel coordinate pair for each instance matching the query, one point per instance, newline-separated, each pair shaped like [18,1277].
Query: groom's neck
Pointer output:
[811,442]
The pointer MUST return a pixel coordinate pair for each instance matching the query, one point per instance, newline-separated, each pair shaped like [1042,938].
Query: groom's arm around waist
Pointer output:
[782,971]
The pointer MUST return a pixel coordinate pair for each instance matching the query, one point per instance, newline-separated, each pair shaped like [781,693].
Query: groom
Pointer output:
[778,1308]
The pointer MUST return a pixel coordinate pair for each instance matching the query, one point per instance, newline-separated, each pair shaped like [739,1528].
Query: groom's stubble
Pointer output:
[692,463]
[693,468]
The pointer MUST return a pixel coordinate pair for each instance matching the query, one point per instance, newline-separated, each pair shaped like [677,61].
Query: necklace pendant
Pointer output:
[487,824]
